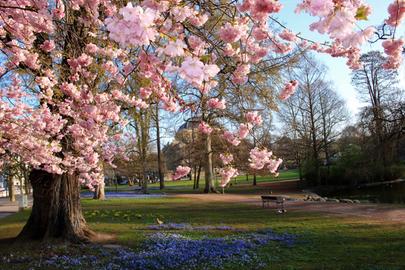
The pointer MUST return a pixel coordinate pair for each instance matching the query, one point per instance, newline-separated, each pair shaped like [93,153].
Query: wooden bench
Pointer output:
[279,200]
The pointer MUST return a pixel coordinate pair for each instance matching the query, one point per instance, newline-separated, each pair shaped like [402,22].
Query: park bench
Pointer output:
[279,200]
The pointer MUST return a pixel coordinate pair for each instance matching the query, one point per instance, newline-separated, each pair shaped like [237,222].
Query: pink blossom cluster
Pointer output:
[196,72]
[233,33]
[180,172]
[240,74]
[339,19]
[252,119]
[263,158]
[260,9]
[134,27]
[25,130]
[204,128]
[215,103]
[393,48]
[396,12]
[288,35]
[288,89]
[227,174]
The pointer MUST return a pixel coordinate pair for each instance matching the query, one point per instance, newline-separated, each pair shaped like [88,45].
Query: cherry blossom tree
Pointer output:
[66,63]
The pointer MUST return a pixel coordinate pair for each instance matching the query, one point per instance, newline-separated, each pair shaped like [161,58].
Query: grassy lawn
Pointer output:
[324,242]
[239,185]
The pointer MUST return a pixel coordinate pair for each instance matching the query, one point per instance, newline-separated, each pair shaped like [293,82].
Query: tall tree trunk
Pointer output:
[198,176]
[195,177]
[209,175]
[99,192]
[56,212]
[11,188]
[254,179]
[143,170]
[159,152]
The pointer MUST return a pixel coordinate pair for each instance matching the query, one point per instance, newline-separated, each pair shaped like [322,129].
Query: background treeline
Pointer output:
[329,146]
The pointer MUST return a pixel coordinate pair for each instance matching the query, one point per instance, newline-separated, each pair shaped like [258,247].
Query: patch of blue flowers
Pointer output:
[175,251]
[189,227]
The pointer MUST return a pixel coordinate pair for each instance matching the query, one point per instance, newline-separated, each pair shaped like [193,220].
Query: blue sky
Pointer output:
[339,73]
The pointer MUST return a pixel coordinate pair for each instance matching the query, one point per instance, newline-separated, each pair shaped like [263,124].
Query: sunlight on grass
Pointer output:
[345,243]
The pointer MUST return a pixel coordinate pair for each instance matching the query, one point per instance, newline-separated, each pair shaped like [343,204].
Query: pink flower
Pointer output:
[170,105]
[195,72]
[356,39]
[397,13]
[253,118]
[259,158]
[145,92]
[240,74]
[174,49]
[70,90]
[48,46]
[204,128]
[232,33]
[260,9]
[197,44]
[288,35]
[231,138]
[227,174]
[192,70]
[59,13]
[181,171]
[274,164]
[288,90]
[210,71]
[136,27]
[260,33]
[321,7]
[243,130]
[31,60]
[215,103]
[393,48]
[91,48]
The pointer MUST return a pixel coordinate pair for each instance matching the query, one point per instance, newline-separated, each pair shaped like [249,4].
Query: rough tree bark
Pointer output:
[99,193]
[11,188]
[56,212]
[209,175]
[159,152]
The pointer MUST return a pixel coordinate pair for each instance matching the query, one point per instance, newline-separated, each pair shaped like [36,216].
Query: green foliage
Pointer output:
[353,167]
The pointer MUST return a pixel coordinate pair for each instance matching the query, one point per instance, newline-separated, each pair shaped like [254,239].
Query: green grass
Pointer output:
[325,242]
[239,185]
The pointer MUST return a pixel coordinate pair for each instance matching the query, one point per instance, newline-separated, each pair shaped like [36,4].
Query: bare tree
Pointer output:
[378,87]
[312,116]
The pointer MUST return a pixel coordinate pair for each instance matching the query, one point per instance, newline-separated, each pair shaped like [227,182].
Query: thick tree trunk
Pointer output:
[209,175]
[11,188]
[99,193]
[56,212]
